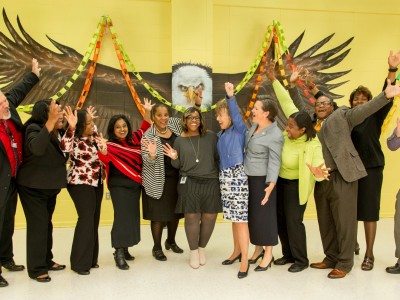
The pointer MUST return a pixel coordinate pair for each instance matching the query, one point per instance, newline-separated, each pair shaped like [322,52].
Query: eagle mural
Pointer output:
[110,94]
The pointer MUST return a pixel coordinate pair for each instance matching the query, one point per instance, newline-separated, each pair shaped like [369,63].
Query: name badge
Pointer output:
[183,180]
[14,145]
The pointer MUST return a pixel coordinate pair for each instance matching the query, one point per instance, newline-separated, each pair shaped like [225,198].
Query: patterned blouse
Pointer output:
[85,166]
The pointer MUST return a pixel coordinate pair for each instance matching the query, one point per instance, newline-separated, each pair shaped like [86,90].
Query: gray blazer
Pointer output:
[263,152]
[335,136]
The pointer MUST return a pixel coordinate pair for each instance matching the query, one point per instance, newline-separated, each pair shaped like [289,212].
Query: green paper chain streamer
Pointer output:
[81,67]
[152,91]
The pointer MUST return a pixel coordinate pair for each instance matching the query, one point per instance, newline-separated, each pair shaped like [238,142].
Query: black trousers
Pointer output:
[38,205]
[85,245]
[7,231]
[125,231]
[291,230]
[336,203]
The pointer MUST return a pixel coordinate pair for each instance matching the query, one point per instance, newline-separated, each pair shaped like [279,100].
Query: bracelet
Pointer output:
[393,70]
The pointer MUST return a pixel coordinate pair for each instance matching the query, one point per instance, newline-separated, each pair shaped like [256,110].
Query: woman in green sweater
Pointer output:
[302,164]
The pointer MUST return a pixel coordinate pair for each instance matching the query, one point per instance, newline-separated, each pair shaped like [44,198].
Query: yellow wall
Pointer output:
[225,34]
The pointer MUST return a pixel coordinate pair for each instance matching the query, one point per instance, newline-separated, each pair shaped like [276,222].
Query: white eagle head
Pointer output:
[186,80]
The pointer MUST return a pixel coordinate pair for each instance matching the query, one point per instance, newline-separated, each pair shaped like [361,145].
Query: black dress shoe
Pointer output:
[119,257]
[259,268]
[175,248]
[242,275]
[43,279]
[57,267]
[95,266]
[231,261]
[3,282]
[11,266]
[394,269]
[84,272]
[159,255]
[284,260]
[128,256]
[253,261]
[297,268]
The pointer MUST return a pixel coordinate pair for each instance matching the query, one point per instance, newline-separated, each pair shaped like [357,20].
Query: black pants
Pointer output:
[7,231]
[38,205]
[85,245]
[336,203]
[125,231]
[291,230]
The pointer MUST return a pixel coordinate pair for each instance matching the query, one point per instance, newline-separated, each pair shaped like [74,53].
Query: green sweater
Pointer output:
[299,150]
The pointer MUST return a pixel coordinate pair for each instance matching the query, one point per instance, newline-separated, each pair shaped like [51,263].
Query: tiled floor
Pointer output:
[174,279]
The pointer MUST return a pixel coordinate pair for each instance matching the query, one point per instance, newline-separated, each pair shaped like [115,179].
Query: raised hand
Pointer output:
[392,90]
[169,151]
[295,75]
[150,146]
[92,112]
[308,78]
[35,67]
[147,104]
[229,89]
[71,117]
[319,171]
[54,115]
[270,70]
[101,143]
[394,60]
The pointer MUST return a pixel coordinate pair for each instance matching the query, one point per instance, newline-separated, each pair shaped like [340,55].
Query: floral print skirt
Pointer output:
[234,193]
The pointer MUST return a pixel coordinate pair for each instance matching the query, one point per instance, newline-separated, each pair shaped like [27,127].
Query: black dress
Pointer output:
[366,141]
[163,209]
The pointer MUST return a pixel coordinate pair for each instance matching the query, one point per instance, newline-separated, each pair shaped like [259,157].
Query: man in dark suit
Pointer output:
[11,143]
[336,199]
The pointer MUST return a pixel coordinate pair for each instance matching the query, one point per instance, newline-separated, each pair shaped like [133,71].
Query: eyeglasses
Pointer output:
[191,118]
[323,103]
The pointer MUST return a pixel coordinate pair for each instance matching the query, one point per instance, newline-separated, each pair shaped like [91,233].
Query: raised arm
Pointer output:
[234,112]
[281,94]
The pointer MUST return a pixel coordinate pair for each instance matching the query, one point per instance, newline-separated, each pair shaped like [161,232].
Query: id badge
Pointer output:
[183,180]
[14,145]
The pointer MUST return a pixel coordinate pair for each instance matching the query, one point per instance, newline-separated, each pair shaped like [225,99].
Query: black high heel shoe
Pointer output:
[259,268]
[231,261]
[242,275]
[174,247]
[253,261]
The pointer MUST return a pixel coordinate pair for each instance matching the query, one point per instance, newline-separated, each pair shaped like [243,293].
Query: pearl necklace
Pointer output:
[160,131]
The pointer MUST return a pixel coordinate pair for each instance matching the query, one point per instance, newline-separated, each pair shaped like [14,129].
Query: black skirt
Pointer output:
[163,209]
[263,224]
[369,195]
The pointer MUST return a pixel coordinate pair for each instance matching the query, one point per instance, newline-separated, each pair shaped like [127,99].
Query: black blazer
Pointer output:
[14,97]
[44,164]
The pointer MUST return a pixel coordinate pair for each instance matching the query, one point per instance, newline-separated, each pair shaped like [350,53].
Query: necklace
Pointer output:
[160,131]
[198,148]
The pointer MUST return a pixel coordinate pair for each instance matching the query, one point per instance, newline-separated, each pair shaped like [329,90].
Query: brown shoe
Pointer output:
[320,265]
[336,273]
[368,264]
